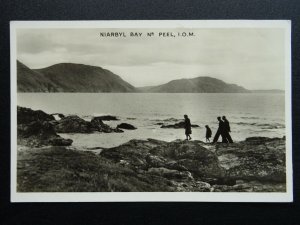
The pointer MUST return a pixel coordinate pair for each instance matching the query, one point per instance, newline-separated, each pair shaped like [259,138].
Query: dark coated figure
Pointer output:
[220,131]
[208,133]
[187,127]
[227,130]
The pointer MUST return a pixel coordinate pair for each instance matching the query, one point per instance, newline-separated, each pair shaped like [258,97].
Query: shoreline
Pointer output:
[51,163]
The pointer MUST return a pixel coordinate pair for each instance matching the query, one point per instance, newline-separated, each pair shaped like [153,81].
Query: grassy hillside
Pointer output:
[70,77]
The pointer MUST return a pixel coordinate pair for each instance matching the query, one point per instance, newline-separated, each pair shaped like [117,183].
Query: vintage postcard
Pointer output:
[151,111]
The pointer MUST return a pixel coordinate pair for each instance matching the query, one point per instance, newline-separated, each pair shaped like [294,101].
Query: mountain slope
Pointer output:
[70,77]
[196,85]
[32,81]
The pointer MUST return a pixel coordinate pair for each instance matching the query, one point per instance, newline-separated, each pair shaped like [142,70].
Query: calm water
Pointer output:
[249,114]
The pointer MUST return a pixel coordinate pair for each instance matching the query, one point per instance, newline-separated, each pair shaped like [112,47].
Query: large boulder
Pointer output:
[126,126]
[191,156]
[176,155]
[176,125]
[74,124]
[98,124]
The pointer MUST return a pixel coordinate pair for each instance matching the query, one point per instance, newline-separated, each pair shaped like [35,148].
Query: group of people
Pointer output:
[223,130]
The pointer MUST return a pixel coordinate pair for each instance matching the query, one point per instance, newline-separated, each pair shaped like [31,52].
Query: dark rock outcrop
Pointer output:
[74,124]
[179,161]
[98,124]
[176,125]
[106,118]
[126,126]
[26,115]
[35,128]
[256,164]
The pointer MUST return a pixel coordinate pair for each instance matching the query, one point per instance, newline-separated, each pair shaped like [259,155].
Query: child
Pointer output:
[208,133]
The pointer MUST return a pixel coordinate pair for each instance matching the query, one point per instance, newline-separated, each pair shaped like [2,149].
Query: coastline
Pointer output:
[47,162]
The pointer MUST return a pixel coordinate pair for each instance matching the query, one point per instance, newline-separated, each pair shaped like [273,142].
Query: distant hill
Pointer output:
[196,85]
[268,91]
[70,77]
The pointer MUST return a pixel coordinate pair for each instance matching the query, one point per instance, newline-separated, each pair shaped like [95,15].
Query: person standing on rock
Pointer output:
[187,127]
[208,133]
[227,130]
[220,131]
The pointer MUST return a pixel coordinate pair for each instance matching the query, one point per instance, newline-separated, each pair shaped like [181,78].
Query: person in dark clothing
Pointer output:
[220,131]
[208,133]
[227,130]
[187,127]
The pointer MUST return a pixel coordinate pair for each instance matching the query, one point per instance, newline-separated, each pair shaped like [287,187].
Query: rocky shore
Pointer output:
[46,164]
[37,128]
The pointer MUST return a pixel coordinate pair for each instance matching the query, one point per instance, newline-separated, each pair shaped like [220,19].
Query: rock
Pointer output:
[155,161]
[74,124]
[191,156]
[173,174]
[256,164]
[26,115]
[126,126]
[177,125]
[257,158]
[252,186]
[203,186]
[106,117]
[36,128]
[42,129]
[58,141]
[176,155]
[128,152]
[98,124]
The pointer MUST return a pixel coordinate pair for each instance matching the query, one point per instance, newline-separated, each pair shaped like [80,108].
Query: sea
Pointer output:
[249,114]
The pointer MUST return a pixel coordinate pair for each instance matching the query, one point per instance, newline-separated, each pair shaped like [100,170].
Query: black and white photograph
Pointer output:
[151,111]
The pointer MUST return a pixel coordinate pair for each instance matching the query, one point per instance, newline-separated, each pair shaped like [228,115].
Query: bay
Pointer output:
[250,114]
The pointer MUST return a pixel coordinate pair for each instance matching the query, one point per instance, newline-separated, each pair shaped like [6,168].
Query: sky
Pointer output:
[251,57]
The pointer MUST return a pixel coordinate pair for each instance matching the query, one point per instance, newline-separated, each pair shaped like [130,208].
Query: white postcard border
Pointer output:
[152,196]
